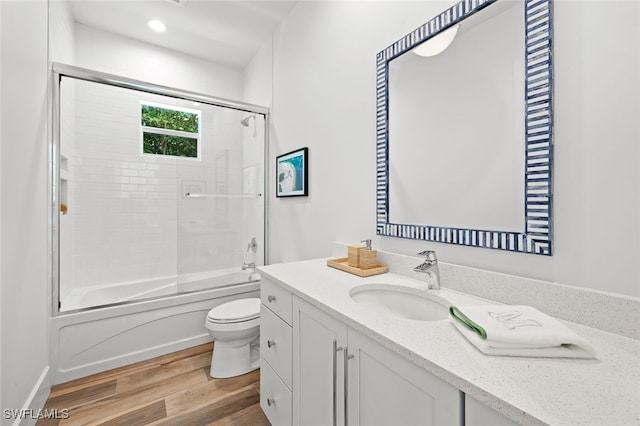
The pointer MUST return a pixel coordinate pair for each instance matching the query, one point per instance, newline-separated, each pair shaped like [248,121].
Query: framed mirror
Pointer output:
[464,136]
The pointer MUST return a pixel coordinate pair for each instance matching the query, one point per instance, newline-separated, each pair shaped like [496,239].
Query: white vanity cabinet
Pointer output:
[275,353]
[341,377]
[478,414]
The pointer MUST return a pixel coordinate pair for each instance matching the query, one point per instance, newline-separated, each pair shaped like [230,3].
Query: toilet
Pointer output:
[235,328]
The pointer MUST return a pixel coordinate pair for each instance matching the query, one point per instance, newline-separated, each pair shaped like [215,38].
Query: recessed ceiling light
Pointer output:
[157,25]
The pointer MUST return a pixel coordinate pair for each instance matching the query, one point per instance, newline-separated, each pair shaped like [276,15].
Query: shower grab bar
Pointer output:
[200,195]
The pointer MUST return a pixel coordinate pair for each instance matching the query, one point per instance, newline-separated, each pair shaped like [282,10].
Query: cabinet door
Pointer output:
[478,414]
[386,389]
[318,380]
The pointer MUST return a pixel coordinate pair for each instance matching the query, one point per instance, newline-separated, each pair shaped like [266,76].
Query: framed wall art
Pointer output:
[292,173]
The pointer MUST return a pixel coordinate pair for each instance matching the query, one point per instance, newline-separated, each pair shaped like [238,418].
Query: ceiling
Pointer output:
[229,32]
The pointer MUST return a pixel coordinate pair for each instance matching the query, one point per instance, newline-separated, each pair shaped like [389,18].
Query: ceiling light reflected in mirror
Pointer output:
[438,44]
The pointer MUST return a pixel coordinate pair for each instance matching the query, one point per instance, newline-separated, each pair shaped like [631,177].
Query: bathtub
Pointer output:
[198,281]
[109,294]
[122,331]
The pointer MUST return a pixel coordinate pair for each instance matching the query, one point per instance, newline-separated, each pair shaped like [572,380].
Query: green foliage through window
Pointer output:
[178,146]
[169,132]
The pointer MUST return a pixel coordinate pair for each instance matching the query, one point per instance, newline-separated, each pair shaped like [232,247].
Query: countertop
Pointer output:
[530,391]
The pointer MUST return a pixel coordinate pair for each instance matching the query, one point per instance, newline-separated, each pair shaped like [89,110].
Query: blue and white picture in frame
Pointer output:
[292,173]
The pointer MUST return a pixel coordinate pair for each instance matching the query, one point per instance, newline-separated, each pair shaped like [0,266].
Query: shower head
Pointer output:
[245,121]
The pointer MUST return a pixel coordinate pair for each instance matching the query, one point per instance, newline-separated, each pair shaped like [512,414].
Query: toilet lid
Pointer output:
[236,311]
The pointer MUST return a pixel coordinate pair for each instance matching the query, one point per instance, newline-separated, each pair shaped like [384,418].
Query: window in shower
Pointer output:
[170,130]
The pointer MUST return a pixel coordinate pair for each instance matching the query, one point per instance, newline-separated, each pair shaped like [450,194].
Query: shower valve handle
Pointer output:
[253,245]
[271,298]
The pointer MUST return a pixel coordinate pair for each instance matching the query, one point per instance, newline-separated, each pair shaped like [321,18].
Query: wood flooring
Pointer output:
[173,389]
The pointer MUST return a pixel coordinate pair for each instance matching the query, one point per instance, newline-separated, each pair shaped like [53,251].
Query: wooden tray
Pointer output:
[342,264]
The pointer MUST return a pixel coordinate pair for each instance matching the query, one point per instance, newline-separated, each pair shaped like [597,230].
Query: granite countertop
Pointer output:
[530,391]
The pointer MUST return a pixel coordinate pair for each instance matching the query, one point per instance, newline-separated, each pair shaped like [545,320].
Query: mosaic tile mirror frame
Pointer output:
[537,235]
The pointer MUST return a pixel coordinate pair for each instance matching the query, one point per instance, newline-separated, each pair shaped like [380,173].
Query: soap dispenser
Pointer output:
[368,257]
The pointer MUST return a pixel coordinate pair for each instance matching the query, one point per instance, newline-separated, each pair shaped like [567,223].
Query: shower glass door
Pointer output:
[158,195]
[220,202]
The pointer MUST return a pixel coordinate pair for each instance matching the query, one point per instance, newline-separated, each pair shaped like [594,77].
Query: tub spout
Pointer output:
[246,266]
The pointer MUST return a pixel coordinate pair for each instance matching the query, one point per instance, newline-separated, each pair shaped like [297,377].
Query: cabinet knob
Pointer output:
[270,401]
[271,298]
[271,343]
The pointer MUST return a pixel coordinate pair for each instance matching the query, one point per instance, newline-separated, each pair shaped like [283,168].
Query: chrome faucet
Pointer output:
[430,267]
[250,265]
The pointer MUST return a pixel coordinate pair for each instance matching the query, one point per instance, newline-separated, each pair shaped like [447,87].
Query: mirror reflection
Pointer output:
[456,126]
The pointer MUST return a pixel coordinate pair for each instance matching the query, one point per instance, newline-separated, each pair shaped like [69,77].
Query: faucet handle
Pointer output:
[429,255]
[253,245]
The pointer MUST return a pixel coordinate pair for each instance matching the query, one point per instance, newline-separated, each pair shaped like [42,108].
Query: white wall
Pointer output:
[324,98]
[24,344]
[1,204]
[62,31]
[257,76]
[106,52]
[597,149]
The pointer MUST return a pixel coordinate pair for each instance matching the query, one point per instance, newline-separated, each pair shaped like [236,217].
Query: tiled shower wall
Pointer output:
[129,218]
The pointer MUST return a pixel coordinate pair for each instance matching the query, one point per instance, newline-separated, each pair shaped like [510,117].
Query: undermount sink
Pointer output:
[401,301]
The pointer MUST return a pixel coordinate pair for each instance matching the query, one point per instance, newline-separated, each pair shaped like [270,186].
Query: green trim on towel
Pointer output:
[464,320]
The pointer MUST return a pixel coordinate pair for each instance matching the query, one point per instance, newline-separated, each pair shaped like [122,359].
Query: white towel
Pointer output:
[522,331]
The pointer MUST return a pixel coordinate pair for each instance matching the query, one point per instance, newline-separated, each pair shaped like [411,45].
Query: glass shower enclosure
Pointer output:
[156,191]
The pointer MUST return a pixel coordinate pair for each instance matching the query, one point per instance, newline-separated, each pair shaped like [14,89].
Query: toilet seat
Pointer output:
[236,311]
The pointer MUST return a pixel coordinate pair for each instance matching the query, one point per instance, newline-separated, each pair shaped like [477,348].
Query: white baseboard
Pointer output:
[34,404]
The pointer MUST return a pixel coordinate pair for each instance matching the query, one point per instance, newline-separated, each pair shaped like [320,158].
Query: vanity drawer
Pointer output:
[275,344]
[275,398]
[276,298]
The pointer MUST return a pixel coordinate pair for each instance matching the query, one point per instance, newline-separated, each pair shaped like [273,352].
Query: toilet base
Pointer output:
[230,361]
